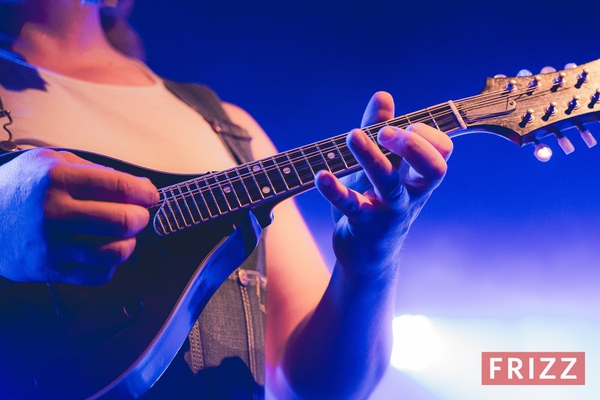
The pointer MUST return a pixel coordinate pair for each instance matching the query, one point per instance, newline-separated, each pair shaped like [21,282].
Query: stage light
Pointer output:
[416,344]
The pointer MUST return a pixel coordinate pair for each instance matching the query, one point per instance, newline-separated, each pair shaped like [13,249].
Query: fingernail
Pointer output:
[386,134]
[324,179]
[358,139]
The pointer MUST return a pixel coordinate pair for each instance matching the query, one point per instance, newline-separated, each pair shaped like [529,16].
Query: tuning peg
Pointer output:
[586,135]
[583,76]
[560,78]
[542,152]
[573,104]
[570,65]
[565,144]
[551,110]
[524,72]
[595,97]
[512,85]
[535,82]
[528,117]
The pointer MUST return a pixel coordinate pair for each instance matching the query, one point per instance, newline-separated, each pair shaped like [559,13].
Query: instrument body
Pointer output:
[61,341]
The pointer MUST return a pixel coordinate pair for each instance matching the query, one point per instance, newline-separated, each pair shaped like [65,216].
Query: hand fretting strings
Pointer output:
[213,194]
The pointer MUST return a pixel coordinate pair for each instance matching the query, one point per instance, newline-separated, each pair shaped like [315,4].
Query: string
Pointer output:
[321,146]
[441,115]
[437,113]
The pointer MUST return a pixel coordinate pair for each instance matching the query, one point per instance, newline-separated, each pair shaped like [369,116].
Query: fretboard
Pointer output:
[272,179]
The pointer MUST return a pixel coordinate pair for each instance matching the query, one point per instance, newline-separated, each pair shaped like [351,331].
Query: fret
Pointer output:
[287,170]
[372,131]
[457,115]
[190,197]
[228,191]
[217,193]
[315,158]
[345,152]
[165,219]
[206,194]
[301,166]
[179,197]
[238,187]
[339,143]
[173,208]
[161,195]
[436,126]
[401,122]
[423,117]
[250,183]
[448,123]
[199,199]
[277,181]
[262,180]
[211,195]
[447,119]
[333,158]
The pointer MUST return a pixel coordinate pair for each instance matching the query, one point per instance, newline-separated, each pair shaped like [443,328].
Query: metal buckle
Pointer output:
[7,145]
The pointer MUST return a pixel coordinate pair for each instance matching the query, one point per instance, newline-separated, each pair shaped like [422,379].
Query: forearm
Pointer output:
[342,349]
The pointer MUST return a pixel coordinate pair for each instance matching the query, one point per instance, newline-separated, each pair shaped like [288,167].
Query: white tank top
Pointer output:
[144,125]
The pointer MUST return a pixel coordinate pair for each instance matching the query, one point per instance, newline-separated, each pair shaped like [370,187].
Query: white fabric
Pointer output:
[143,125]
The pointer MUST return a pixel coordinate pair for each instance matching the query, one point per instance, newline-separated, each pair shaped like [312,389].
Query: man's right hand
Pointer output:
[65,219]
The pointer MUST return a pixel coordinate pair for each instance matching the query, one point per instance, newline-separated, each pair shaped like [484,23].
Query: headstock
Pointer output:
[525,109]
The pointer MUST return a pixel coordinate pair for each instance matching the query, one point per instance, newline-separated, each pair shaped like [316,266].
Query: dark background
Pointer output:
[505,256]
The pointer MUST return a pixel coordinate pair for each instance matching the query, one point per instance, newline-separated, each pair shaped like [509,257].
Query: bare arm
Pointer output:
[333,339]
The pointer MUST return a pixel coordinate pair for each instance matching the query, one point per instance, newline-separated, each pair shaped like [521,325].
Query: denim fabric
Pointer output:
[224,355]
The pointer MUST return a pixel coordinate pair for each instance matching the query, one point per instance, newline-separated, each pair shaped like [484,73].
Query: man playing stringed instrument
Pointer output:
[64,219]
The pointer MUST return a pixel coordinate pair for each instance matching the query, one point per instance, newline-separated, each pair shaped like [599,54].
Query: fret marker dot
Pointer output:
[256,168]
[266,189]
[227,189]
[331,156]
[287,170]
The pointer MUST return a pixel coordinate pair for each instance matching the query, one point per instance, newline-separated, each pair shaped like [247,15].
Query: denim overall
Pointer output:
[224,355]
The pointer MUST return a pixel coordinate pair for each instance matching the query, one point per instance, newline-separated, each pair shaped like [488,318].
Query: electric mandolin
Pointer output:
[61,341]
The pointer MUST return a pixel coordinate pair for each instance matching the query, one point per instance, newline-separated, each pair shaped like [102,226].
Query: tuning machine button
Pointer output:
[587,137]
[560,79]
[564,143]
[542,152]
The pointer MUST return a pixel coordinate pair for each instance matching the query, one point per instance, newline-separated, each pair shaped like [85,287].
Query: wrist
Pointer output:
[354,284]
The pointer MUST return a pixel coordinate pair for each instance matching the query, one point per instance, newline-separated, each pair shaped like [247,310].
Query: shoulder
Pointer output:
[262,146]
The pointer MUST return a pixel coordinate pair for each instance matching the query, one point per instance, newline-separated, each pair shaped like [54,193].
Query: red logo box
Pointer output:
[533,368]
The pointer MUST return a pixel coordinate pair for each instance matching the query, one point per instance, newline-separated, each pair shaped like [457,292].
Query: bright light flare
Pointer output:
[416,344]
[542,152]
